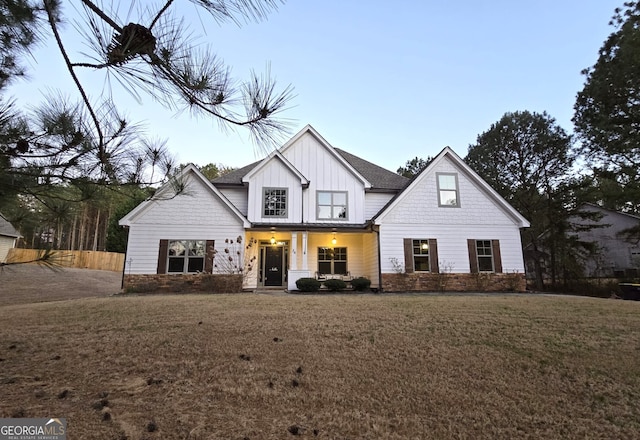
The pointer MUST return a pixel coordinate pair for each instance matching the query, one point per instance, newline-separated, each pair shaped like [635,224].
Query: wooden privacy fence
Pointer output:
[81,259]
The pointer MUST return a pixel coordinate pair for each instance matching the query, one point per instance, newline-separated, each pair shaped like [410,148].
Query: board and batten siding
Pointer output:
[274,175]
[479,217]
[196,215]
[325,172]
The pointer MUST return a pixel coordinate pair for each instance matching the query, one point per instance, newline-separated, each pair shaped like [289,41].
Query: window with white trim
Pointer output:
[421,256]
[186,256]
[331,205]
[484,252]
[275,202]
[448,193]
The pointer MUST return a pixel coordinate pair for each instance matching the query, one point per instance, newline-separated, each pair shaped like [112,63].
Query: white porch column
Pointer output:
[293,258]
[305,239]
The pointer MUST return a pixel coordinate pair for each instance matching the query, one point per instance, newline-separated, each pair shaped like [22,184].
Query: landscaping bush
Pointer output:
[335,285]
[361,284]
[308,285]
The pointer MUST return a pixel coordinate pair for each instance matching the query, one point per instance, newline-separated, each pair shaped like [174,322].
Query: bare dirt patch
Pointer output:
[30,283]
[276,367]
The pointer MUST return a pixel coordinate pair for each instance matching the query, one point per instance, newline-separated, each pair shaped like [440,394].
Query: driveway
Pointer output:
[29,283]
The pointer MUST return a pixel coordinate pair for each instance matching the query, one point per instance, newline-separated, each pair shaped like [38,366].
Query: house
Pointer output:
[8,237]
[312,210]
[617,255]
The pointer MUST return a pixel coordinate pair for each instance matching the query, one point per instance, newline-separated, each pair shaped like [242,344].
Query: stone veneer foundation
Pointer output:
[454,282]
[182,283]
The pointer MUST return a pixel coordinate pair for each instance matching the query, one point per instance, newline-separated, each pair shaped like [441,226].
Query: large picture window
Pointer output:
[186,256]
[332,205]
[448,194]
[332,261]
[275,202]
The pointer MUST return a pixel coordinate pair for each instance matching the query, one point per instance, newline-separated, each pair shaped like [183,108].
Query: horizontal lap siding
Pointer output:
[452,244]
[195,215]
[417,215]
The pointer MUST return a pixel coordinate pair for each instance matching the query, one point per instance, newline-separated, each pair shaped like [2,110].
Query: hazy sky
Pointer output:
[384,80]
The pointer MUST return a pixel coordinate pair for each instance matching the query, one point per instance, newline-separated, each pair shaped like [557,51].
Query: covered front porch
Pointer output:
[282,256]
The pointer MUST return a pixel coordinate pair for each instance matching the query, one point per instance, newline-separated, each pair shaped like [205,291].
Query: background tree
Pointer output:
[607,113]
[413,166]
[527,158]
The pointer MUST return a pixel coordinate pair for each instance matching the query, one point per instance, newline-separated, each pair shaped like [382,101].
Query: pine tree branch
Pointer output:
[67,61]
[100,13]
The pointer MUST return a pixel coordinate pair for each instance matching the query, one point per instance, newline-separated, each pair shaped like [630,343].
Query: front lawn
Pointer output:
[328,367]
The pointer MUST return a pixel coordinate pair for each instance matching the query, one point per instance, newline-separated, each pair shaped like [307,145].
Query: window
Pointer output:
[275,202]
[332,205]
[448,190]
[421,255]
[485,255]
[186,256]
[332,261]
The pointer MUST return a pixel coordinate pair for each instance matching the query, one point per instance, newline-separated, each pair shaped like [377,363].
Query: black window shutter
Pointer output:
[497,259]
[208,262]
[162,256]
[473,255]
[408,255]
[433,256]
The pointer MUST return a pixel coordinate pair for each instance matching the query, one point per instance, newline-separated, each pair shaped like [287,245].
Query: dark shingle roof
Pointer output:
[235,177]
[380,178]
[7,228]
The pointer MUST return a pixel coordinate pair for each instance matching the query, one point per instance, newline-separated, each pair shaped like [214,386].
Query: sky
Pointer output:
[386,81]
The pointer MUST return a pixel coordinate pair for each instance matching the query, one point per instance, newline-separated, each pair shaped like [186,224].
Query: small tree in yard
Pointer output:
[231,260]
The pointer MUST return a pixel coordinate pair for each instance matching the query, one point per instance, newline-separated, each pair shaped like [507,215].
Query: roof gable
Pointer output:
[447,154]
[276,155]
[377,177]
[168,190]
[309,130]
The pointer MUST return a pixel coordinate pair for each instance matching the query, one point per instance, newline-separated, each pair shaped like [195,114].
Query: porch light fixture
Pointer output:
[333,240]
[273,240]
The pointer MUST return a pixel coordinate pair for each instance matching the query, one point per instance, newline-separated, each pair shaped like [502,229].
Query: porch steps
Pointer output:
[270,291]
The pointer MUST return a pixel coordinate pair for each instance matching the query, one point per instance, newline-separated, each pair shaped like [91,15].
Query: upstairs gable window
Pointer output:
[275,202]
[332,205]
[448,193]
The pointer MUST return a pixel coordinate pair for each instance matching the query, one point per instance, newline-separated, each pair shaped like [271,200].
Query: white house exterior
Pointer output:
[312,210]
[8,237]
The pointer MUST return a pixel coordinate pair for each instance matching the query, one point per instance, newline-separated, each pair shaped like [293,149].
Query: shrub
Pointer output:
[335,285]
[360,284]
[308,285]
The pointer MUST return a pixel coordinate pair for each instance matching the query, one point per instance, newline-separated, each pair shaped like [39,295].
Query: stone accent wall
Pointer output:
[454,282]
[183,283]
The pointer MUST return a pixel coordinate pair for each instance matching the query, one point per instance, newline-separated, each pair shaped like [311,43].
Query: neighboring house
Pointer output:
[618,256]
[8,237]
[312,210]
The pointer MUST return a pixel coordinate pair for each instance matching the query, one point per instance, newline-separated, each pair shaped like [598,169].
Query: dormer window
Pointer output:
[275,202]
[448,193]
[332,205]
